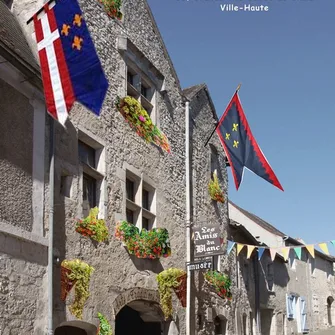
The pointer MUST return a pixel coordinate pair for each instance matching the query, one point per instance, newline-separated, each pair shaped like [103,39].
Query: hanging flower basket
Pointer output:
[214,189]
[93,227]
[80,274]
[150,244]
[181,289]
[167,280]
[220,282]
[66,282]
[139,120]
[112,8]
[104,326]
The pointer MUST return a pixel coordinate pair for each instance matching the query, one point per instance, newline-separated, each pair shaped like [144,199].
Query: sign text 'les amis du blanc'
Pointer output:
[207,241]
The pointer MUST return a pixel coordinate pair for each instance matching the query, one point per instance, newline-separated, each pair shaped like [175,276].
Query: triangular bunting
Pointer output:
[250,250]
[273,253]
[230,246]
[310,249]
[260,253]
[332,242]
[239,247]
[285,252]
[324,248]
[298,252]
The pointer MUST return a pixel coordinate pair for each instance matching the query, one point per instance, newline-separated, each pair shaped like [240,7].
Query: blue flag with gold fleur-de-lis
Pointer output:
[70,67]
[240,145]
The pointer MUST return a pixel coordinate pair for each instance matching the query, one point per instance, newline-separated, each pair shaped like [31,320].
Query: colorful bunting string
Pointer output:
[284,251]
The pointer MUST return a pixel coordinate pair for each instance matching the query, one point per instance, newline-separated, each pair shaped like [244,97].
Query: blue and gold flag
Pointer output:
[240,145]
[71,69]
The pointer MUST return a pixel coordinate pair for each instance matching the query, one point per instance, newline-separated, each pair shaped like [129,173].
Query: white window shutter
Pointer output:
[289,306]
[303,311]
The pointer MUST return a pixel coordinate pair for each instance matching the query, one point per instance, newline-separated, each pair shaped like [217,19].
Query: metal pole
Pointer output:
[188,217]
[51,227]
[257,297]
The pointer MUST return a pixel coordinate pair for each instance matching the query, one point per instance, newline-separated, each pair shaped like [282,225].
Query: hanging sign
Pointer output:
[203,265]
[207,241]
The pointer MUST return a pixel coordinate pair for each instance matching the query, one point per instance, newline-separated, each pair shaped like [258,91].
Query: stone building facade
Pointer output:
[23,246]
[101,161]
[295,296]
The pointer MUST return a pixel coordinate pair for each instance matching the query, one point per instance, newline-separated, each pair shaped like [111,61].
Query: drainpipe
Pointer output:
[257,298]
[188,217]
[51,226]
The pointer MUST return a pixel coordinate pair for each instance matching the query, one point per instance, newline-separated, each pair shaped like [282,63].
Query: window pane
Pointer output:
[144,91]
[145,223]
[130,78]
[130,216]
[145,200]
[86,154]
[130,185]
[89,193]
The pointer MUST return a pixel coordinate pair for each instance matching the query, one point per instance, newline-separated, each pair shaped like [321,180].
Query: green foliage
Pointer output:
[113,8]
[220,282]
[140,121]
[214,189]
[104,327]
[168,280]
[93,227]
[145,244]
[81,273]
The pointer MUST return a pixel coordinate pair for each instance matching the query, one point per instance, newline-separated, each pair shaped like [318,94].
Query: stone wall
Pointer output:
[16,158]
[23,293]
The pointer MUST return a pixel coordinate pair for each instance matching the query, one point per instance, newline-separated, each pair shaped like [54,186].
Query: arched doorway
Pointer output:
[329,310]
[141,318]
[76,328]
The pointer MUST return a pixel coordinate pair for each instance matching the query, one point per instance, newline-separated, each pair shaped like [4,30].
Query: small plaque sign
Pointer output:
[203,265]
[207,241]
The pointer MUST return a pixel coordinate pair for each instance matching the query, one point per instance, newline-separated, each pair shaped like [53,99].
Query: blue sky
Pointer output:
[285,60]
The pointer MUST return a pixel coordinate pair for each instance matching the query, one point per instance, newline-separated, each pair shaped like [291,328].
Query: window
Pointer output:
[214,160]
[140,202]
[130,189]
[140,87]
[89,190]
[246,275]
[220,324]
[91,155]
[270,276]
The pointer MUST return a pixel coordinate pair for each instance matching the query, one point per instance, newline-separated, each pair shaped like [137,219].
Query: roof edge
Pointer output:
[165,51]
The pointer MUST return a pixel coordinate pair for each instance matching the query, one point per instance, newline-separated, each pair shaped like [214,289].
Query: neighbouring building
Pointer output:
[23,245]
[295,296]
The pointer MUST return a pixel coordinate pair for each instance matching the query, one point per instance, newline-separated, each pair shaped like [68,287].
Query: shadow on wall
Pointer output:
[64,138]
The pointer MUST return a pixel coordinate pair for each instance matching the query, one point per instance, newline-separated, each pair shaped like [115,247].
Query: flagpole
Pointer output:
[188,219]
[238,88]
[51,226]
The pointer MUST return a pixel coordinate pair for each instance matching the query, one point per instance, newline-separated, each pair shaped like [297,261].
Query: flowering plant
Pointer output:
[93,227]
[220,282]
[104,326]
[145,244]
[214,189]
[169,279]
[140,121]
[80,274]
[113,8]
